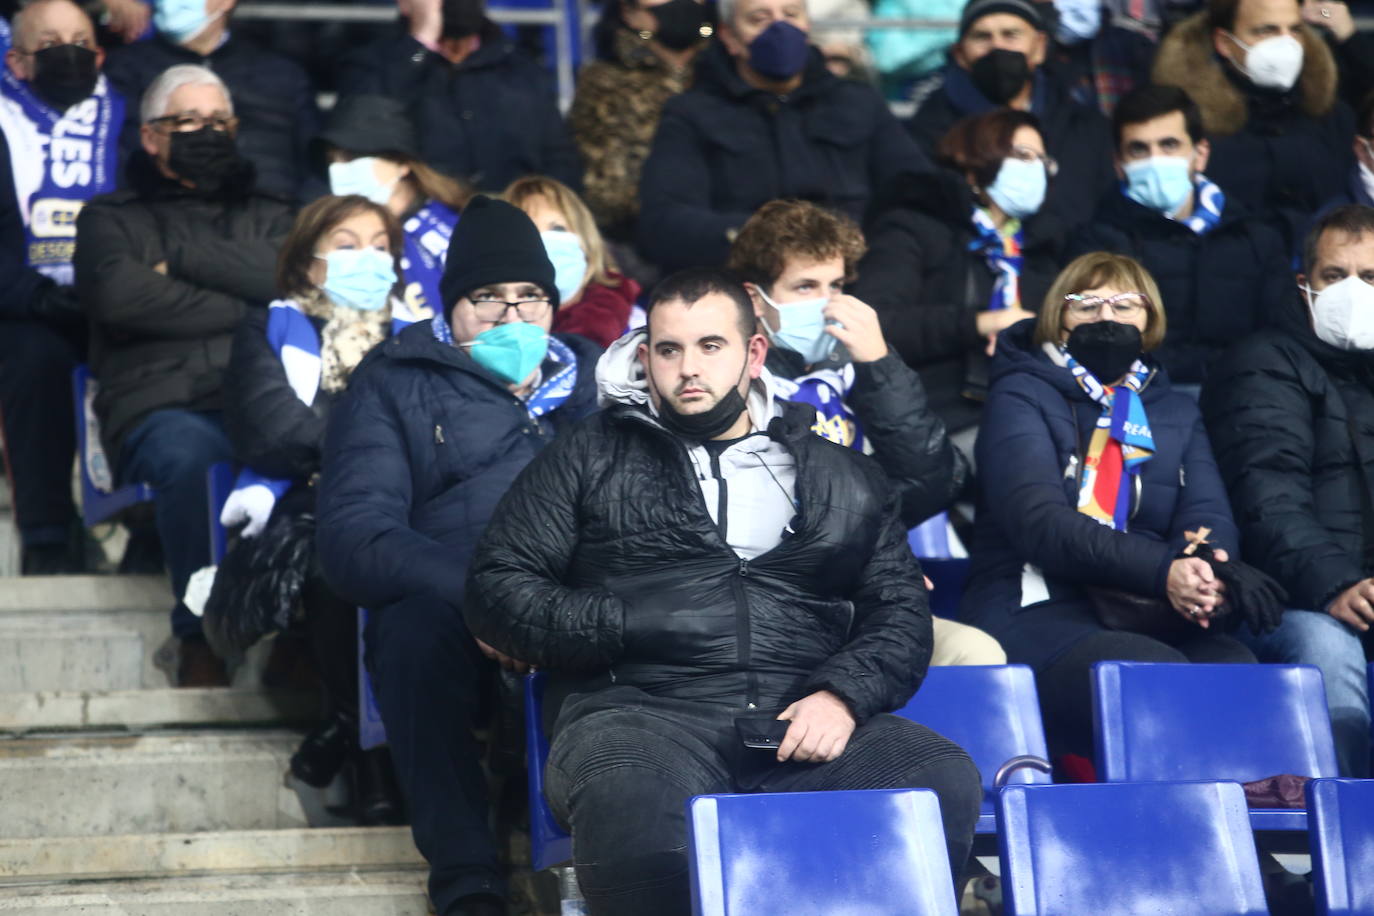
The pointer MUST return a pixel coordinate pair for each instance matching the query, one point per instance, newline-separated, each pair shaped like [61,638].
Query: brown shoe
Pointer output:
[197,666]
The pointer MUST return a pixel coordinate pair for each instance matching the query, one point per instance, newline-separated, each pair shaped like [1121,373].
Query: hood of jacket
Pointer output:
[1017,352]
[1187,59]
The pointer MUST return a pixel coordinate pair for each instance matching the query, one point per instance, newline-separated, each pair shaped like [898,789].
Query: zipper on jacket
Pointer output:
[743,642]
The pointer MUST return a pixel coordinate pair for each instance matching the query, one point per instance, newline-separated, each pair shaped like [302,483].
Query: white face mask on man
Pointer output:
[1343,314]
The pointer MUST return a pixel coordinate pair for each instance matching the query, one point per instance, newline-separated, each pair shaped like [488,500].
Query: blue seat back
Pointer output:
[100,498]
[550,844]
[1176,848]
[1341,830]
[881,853]
[990,711]
[1240,722]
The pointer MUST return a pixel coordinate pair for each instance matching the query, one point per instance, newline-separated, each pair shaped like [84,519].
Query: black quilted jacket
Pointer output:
[601,561]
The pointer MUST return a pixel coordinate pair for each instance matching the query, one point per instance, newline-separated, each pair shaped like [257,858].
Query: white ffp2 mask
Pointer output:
[1343,314]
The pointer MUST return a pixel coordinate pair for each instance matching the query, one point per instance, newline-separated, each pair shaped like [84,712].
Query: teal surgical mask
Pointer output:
[569,261]
[1019,188]
[1162,183]
[801,328]
[181,20]
[359,278]
[359,176]
[511,351]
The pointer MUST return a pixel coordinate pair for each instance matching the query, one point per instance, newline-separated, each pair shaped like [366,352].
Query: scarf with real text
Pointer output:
[427,234]
[1121,444]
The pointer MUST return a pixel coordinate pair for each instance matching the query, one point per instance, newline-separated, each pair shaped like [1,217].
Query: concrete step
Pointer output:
[314,894]
[180,783]
[32,712]
[185,855]
[84,593]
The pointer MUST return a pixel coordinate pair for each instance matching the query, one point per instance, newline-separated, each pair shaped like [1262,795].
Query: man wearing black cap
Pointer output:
[997,61]
[435,425]
[487,114]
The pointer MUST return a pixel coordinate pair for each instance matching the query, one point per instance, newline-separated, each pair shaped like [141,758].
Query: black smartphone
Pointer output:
[763,734]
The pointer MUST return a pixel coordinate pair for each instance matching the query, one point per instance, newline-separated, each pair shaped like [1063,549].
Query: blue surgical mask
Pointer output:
[181,20]
[1161,182]
[779,51]
[1079,20]
[359,278]
[569,262]
[1019,188]
[359,176]
[511,351]
[801,328]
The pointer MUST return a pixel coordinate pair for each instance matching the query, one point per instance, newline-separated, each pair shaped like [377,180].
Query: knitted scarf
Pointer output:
[1121,444]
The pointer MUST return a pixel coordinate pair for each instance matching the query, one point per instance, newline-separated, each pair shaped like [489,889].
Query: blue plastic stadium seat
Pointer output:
[1171,849]
[990,711]
[880,853]
[550,844]
[1236,722]
[1342,837]
[100,498]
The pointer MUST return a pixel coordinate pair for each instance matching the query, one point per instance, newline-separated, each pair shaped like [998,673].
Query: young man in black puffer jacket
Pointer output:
[694,556]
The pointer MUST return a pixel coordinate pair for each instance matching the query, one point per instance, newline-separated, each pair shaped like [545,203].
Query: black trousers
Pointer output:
[427,674]
[624,764]
[36,363]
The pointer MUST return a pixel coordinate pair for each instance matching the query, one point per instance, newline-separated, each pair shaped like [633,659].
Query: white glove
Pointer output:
[252,505]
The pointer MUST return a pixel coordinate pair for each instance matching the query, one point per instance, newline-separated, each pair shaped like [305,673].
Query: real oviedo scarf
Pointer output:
[1121,444]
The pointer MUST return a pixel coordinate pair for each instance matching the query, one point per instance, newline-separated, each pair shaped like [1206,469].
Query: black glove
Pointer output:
[58,306]
[1254,595]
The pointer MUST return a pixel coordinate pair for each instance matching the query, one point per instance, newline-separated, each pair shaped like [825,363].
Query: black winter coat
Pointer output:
[163,339]
[1079,138]
[1216,288]
[908,440]
[1280,408]
[417,453]
[489,120]
[602,561]
[1037,419]
[723,149]
[928,287]
[272,95]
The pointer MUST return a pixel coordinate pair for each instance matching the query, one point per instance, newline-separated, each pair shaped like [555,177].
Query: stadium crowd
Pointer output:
[653,397]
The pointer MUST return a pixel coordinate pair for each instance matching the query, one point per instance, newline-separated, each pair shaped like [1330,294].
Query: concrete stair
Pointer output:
[122,795]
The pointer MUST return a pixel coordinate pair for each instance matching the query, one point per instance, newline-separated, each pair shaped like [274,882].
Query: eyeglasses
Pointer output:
[45,44]
[185,123]
[1122,305]
[1026,154]
[489,308]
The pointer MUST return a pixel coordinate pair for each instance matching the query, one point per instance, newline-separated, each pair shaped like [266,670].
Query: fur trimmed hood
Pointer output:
[1186,59]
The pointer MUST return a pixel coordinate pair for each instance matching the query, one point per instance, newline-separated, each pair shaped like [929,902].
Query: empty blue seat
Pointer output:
[100,498]
[550,844]
[990,711]
[1341,831]
[1237,722]
[880,853]
[1166,849]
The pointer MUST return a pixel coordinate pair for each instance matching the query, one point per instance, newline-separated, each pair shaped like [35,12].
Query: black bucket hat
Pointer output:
[366,125]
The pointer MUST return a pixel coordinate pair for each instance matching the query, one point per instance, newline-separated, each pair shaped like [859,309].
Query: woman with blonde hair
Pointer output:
[596,298]
[1096,486]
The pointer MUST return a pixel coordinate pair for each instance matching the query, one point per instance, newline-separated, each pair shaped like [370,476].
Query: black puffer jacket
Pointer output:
[1216,287]
[928,287]
[161,338]
[418,451]
[1279,409]
[602,560]
[724,148]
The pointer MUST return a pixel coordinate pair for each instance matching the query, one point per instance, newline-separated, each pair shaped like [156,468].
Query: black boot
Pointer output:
[377,797]
[324,751]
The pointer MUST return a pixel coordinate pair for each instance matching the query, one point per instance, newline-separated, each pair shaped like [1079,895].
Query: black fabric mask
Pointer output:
[1000,74]
[64,75]
[679,23]
[1105,348]
[207,158]
[699,427]
[463,18]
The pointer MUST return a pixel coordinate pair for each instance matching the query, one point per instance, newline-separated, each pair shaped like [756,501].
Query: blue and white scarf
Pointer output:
[1208,203]
[825,390]
[1003,254]
[427,235]
[552,389]
[59,160]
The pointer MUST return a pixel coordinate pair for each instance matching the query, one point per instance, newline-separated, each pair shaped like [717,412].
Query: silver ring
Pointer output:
[1326,13]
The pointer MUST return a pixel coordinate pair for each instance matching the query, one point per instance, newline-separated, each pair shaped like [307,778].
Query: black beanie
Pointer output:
[494,242]
[977,9]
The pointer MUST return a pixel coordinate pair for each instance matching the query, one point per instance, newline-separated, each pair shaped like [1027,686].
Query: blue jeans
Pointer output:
[1317,638]
[172,450]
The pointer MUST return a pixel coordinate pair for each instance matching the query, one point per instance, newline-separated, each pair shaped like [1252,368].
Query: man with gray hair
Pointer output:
[166,270]
[59,130]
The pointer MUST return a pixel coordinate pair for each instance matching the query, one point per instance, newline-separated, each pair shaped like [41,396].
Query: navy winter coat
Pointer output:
[1028,495]
[419,450]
